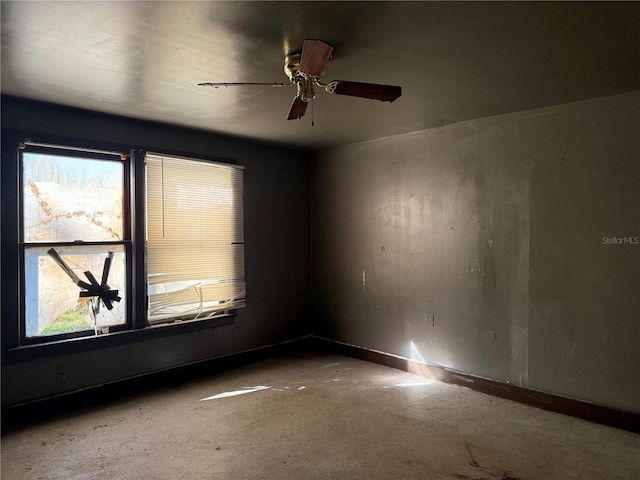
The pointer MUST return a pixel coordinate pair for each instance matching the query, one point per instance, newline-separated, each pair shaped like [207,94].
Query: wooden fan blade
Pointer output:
[298,107]
[315,55]
[385,93]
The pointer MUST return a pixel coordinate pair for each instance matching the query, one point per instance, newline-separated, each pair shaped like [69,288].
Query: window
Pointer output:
[195,238]
[76,245]
[75,240]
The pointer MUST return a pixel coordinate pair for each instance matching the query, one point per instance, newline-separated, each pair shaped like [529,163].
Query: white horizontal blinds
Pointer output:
[195,238]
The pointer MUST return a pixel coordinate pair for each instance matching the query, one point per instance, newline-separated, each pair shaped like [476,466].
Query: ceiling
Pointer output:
[455,61]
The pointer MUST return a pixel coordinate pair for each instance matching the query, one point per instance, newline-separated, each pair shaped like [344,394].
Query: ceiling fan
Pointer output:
[304,70]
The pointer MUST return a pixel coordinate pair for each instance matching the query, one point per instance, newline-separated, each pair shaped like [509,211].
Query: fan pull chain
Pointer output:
[312,123]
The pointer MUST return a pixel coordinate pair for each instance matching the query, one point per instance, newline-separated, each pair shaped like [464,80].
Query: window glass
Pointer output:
[54,302]
[67,199]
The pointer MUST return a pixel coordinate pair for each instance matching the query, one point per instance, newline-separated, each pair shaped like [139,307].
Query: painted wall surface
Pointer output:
[277,252]
[479,247]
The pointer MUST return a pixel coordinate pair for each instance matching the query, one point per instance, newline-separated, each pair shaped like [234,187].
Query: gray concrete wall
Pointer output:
[277,255]
[479,247]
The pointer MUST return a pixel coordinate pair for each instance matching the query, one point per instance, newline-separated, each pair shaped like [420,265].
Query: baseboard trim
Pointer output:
[34,411]
[592,412]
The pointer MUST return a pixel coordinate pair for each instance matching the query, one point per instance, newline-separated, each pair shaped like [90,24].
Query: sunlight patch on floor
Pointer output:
[415,383]
[236,392]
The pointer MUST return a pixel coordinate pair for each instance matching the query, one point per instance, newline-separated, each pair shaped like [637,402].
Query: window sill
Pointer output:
[82,344]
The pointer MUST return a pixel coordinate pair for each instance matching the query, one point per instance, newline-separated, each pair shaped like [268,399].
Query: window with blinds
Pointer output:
[195,238]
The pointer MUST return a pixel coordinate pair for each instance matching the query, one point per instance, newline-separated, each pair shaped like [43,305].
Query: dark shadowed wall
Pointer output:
[479,247]
[277,254]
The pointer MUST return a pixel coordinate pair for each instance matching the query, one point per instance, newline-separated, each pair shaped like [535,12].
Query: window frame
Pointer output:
[16,347]
[126,242]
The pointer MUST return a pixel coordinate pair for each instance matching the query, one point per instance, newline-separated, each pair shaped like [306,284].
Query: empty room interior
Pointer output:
[320,240]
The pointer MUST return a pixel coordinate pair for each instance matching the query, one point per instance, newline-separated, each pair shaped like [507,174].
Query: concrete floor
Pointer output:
[317,416]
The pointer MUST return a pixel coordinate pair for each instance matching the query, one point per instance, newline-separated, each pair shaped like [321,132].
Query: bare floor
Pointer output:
[318,416]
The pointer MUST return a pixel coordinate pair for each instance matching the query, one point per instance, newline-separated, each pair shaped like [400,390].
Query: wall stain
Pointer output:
[382,217]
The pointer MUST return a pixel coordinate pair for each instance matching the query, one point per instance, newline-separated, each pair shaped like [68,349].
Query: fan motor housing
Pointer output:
[292,65]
